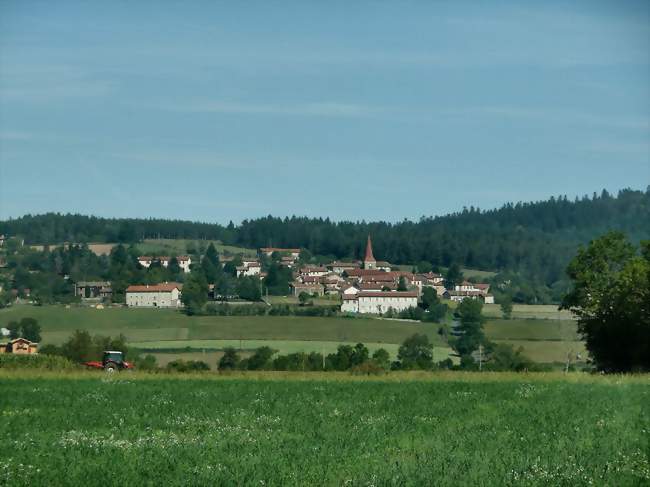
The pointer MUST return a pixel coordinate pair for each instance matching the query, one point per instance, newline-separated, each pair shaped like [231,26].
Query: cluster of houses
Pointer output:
[367,286]
[372,286]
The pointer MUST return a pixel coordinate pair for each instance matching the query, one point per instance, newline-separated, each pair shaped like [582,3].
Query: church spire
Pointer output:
[369,260]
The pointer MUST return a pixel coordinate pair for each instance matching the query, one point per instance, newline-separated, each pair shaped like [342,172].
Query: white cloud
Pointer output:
[318,109]
[556,116]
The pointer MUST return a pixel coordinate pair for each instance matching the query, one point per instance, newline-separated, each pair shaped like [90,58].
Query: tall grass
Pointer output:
[323,429]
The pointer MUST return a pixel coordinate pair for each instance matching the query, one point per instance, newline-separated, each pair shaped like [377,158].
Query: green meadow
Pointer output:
[323,429]
[547,340]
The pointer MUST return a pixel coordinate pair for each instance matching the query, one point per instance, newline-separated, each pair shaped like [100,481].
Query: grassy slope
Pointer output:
[459,430]
[179,246]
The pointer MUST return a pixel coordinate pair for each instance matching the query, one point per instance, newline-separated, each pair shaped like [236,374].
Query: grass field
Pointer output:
[323,429]
[538,311]
[156,325]
[531,329]
[543,340]
[179,246]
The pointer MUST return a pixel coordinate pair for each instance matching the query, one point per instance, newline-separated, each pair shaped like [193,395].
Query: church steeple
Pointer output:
[369,261]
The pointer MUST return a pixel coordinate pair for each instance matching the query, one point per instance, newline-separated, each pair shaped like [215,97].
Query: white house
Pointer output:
[350,291]
[470,290]
[379,302]
[313,271]
[167,295]
[250,267]
[184,261]
[458,296]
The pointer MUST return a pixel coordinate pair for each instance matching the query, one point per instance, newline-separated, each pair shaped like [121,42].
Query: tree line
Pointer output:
[527,242]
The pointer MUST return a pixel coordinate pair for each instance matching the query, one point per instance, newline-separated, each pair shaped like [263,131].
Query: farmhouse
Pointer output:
[19,346]
[378,302]
[249,268]
[93,289]
[307,287]
[350,291]
[167,295]
[184,261]
[460,295]
[470,290]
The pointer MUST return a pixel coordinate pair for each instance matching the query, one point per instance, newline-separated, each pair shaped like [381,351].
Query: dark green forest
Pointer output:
[530,243]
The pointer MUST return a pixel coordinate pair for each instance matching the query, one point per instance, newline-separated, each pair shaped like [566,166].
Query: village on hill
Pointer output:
[368,286]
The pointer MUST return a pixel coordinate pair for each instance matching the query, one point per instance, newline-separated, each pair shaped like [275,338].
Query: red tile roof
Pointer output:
[366,272]
[388,294]
[154,288]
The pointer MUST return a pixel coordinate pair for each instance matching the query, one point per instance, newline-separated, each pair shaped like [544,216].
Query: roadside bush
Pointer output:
[187,366]
[230,359]
[369,367]
[260,360]
[36,361]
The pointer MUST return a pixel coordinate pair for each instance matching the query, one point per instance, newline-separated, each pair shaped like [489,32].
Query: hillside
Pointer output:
[534,240]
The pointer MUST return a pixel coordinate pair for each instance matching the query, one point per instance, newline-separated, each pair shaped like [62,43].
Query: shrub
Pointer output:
[187,366]
[35,361]
[230,359]
[369,367]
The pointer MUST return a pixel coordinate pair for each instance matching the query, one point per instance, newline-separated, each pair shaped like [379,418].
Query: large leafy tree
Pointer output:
[195,292]
[471,319]
[611,298]
[416,352]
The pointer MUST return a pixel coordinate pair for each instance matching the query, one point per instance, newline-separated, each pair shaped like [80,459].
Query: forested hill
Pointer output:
[535,239]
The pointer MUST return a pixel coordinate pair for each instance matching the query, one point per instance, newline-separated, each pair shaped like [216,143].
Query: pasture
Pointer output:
[323,429]
[528,311]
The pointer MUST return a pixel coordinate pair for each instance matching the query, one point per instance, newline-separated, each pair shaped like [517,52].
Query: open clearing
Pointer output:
[323,429]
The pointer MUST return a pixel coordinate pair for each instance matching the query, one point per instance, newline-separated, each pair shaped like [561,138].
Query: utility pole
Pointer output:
[568,362]
[480,357]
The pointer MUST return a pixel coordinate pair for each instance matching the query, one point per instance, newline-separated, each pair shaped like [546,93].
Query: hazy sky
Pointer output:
[353,110]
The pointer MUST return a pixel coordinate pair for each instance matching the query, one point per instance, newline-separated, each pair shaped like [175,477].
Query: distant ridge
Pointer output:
[534,239]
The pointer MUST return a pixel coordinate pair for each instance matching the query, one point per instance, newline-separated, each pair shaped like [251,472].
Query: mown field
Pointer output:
[323,429]
[543,340]
[527,311]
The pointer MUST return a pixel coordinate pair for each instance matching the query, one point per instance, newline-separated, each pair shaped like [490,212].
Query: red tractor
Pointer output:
[111,362]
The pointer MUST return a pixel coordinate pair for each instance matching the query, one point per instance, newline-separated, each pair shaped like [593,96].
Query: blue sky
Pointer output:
[354,110]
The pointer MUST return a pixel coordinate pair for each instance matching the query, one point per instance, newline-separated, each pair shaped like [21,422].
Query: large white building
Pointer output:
[379,302]
[184,261]
[249,267]
[167,295]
